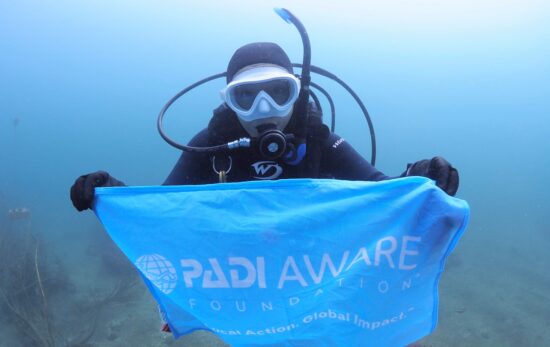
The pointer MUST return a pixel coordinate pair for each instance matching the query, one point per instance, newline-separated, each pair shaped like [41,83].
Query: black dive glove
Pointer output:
[439,170]
[82,191]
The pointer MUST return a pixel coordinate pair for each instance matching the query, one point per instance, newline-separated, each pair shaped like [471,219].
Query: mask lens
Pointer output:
[244,94]
[279,90]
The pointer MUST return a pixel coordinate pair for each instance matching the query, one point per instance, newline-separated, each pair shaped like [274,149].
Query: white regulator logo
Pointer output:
[158,270]
[267,170]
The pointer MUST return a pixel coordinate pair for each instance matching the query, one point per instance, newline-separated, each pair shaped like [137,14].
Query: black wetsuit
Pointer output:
[338,159]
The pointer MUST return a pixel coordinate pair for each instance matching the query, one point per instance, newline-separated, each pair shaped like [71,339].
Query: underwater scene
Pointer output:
[82,84]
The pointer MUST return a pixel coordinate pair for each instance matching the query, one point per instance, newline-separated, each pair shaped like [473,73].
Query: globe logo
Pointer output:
[159,271]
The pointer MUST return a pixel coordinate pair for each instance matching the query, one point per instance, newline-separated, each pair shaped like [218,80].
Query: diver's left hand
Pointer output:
[439,170]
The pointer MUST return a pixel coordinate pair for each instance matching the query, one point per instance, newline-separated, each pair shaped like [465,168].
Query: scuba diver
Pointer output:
[261,102]
[269,126]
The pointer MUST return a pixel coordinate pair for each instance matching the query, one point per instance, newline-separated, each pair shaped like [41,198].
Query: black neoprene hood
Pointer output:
[257,53]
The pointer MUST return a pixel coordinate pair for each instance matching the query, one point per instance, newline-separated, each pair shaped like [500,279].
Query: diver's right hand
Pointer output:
[82,191]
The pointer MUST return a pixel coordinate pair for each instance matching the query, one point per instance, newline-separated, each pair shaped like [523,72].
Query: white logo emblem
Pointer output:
[264,168]
[158,270]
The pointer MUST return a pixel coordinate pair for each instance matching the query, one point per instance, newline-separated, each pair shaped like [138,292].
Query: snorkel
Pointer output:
[273,143]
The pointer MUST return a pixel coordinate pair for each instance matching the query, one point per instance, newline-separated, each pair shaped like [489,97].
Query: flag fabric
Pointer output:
[305,262]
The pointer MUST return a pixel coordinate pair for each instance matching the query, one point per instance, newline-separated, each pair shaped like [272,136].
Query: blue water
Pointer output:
[81,84]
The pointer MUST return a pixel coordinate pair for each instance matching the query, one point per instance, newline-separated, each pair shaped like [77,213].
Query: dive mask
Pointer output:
[260,92]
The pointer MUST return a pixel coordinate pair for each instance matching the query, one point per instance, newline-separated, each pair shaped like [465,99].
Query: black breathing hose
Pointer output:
[333,77]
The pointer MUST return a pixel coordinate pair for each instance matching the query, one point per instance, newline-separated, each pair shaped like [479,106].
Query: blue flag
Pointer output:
[291,262]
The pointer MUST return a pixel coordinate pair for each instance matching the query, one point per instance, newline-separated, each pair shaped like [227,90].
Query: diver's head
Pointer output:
[261,87]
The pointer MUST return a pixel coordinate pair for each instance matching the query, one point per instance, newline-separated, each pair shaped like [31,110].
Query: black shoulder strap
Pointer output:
[317,134]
